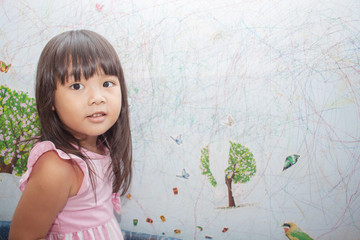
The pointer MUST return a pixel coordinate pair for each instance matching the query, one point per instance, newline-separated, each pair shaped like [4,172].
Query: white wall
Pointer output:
[9,195]
[286,71]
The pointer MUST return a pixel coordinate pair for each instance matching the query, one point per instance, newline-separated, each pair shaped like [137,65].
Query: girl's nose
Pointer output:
[96,97]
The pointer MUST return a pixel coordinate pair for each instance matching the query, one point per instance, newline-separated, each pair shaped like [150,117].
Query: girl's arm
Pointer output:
[52,181]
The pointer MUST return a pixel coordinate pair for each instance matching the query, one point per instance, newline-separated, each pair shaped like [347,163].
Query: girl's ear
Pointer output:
[53,108]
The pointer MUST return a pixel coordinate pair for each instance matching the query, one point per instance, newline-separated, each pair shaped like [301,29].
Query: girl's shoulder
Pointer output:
[47,156]
[53,174]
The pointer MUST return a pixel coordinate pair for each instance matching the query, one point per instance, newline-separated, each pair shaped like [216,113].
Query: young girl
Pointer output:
[83,156]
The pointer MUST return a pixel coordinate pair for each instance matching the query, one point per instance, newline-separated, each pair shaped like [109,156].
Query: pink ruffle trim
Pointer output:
[116,202]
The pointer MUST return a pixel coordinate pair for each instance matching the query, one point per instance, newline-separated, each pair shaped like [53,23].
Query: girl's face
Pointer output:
[88,108]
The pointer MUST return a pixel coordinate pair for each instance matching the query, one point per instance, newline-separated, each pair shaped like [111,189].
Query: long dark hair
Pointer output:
[85,53]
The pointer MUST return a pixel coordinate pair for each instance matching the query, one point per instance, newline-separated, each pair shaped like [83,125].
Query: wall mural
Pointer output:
[245,115]
[18,123]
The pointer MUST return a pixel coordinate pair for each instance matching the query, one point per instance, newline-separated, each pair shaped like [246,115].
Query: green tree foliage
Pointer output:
[242,166]
[19,123]
[205,165]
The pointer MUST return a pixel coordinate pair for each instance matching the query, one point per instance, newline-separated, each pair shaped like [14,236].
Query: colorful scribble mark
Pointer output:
[290,160]
[128,196]
[3,67]
[184,174]
[177,231]
[200,228]
[149,220]
[292,232]
[162,218]
[175,190]
[99,7]
[225,229]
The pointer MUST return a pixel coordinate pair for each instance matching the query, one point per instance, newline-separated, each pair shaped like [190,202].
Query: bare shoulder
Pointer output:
[50,185]
[51,164]
[57,173]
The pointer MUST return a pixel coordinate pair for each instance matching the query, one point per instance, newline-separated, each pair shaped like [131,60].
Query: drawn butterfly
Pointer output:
[184,174]
[3,67]
[178,139]
[229,121]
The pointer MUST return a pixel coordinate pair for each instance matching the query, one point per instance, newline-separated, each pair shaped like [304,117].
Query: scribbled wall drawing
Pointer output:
[279,77]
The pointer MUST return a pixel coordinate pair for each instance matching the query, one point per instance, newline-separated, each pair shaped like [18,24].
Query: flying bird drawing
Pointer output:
[290,160]
[184,174]
[178,139]
[293,232]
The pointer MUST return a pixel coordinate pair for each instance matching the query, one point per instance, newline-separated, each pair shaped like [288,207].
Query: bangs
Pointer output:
[83,54]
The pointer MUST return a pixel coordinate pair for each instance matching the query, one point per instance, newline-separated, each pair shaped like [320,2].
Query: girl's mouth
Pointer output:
[97,115]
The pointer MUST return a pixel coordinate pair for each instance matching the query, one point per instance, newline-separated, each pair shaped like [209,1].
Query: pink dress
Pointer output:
[82,217]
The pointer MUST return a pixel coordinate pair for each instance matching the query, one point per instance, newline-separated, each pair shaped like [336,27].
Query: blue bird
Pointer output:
[178,139]
[184,174]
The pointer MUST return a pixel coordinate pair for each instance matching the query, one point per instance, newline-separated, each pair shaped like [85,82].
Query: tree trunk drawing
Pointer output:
[228,182]
[6,168]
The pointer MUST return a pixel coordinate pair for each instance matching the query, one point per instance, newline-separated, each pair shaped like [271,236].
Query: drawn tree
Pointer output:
[242,166]
[19,124]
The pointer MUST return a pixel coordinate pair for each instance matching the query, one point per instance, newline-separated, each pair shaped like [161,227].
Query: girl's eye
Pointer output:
[108,84]
[77,86]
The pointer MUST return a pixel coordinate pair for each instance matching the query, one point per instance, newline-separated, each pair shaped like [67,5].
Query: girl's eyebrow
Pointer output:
[111,77]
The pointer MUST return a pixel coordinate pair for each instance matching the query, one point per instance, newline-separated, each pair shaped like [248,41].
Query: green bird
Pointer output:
[290,160]
[293,232]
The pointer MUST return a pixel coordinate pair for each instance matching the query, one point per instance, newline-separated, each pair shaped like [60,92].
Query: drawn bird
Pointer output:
[293,232]
[184,174]
[178,139]
[3,67]
[290,160]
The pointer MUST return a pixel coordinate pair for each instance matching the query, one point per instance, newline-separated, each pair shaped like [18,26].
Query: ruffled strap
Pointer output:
[115,198]
[43,147]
